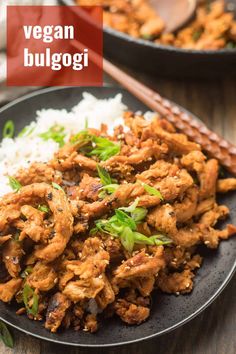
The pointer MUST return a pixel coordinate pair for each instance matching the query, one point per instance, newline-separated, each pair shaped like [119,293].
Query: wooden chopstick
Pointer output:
[213,144]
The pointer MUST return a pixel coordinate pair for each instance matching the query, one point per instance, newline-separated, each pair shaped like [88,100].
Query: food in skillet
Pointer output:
[109,219]
[213,28]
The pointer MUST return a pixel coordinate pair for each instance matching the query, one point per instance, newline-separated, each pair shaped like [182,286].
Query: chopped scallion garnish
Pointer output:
[109,185]
[123,224]
[26,131]
[26,272]
[28,294]
[56,186]
[152,191]
[8,129]
[43,208]
[104,176]
[14,184]
[56,133]
[6,336]
[92,145]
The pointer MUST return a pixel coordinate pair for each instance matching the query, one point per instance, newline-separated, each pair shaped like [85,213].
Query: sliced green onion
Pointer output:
[147,36]
[55,133]
[26,131]
[124,226]
[6,336]
[43,208]
[132,207]
[125,219]
[157,240]
[98,146]
[81,138]
[231,45]
[29,293]
[104,176]
[8,129]
[161,240]
[152,191]
[139,214]
[104,148]
[110,188]
[127,239]
[14,184]
[197,34]
[26,272]
[142,239]
[16,237]
[56,186]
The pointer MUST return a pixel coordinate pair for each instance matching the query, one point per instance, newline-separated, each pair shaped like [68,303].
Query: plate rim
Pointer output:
[155,335]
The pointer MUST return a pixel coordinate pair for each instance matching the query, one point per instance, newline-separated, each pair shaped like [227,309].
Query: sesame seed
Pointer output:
[127,268]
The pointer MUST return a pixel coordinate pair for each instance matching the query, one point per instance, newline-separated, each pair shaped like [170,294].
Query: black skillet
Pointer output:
[167,61]
[168,311]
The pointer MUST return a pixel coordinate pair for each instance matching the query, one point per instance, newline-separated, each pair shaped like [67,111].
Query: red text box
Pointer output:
[39,50]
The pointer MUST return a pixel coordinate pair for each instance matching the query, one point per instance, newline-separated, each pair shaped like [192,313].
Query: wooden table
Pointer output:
[212,332]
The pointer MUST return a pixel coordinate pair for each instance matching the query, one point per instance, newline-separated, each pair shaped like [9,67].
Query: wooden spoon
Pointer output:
[175,13]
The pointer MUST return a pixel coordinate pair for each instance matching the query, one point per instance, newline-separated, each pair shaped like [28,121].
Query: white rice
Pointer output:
[22,151]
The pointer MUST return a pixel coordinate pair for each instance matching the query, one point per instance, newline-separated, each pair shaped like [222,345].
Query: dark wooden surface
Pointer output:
[212,332]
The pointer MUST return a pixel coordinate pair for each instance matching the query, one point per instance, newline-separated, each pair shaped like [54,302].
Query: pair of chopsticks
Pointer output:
[213,144]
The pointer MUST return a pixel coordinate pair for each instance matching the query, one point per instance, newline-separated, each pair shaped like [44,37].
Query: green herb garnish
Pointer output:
[28,294]
[152,191]
[109,189]
[127,238]
[152,240]
[8,129]
[104,176]
[103,148]
[98,146]
[44,208]
[6,336]
[132,207]
[208,6]
[26,131]
[124,225]
[82,138]
[26,272]
[197,34]
[148,37]
[109,185]
[56,186]
[14,184]
[56,133]
[231,45]
[16,236]
[139,214]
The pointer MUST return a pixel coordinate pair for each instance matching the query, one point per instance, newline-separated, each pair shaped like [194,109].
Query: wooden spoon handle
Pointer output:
[213,144]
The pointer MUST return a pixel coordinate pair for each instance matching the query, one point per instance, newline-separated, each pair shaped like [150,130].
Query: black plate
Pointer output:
[168,311]
[166,60]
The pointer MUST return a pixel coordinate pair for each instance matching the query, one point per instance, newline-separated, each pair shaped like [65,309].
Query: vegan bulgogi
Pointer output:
[93,232]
